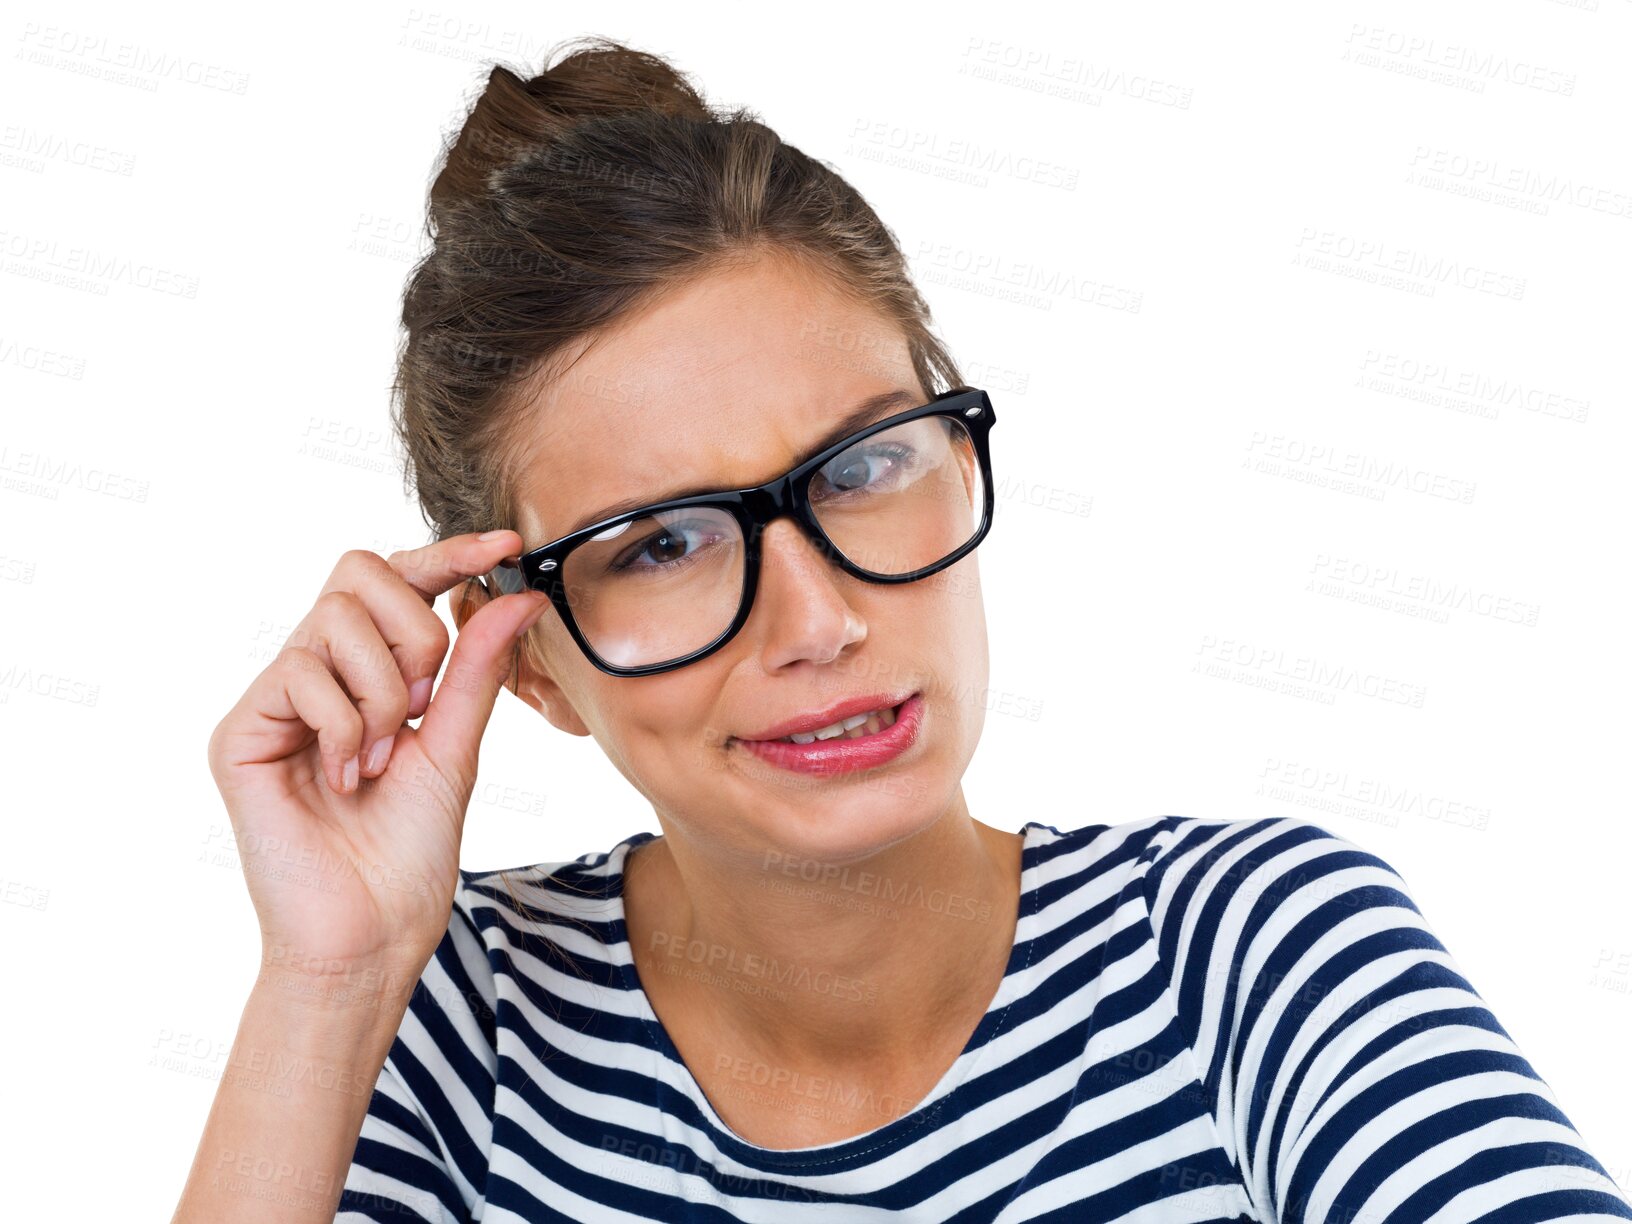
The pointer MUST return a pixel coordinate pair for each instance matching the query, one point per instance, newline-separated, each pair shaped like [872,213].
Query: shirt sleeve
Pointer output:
[1352,1071]
[423,1149]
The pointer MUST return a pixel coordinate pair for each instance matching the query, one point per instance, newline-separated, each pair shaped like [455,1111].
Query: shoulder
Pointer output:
[1248,905]
[1263,862]
[1223,885]
[1341,1049]
[1164,851]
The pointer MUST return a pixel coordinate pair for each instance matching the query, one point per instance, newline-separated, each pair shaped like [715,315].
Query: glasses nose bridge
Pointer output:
[769,503]
[777,500]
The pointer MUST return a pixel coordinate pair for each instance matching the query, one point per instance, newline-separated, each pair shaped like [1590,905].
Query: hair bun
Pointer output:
[603,77]
[513,118]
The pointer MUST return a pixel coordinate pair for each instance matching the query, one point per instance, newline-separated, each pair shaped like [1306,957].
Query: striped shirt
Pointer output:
[1200,1020]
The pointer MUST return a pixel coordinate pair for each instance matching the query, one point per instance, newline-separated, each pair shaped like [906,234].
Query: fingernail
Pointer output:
[378,754]
[419,696]
[491,535]
[348,778]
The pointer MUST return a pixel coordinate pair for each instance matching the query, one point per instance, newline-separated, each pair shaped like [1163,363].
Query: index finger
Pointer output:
[443,564]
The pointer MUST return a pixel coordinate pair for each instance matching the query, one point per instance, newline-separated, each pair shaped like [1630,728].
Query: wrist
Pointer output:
[337,989]
[329,1024]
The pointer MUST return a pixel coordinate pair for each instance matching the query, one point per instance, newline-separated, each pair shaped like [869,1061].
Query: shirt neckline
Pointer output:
[888,1134]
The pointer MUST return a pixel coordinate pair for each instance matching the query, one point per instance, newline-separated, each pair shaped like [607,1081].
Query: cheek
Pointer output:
[957,601]
[667,723]
[953,620]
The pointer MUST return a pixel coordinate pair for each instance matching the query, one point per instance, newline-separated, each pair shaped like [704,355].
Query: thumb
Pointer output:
[450,733]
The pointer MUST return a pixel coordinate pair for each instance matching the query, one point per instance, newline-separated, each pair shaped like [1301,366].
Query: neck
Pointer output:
[881,962]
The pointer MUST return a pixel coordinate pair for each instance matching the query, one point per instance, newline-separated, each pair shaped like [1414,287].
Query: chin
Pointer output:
[853,827]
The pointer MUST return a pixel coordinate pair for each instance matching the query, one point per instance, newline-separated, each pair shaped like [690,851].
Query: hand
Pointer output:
[349,820]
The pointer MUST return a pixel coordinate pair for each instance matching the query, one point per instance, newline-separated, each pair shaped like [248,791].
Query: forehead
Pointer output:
[724,381]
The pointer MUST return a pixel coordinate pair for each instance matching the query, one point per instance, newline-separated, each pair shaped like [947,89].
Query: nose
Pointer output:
[801,606]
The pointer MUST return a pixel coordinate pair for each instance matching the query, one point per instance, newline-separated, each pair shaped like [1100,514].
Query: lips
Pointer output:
[841,754]
[815,720]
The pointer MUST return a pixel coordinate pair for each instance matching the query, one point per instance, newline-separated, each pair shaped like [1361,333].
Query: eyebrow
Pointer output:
[871,409]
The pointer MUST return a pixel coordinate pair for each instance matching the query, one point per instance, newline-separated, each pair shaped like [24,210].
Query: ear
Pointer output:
[529,679]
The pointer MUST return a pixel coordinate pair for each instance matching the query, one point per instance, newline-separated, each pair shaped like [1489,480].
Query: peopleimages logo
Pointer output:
[124,62]
[1281,454]
[1440,384]
[934,152]
[1273,664]
[1378,256]
[54,473]
[1471,61]
[1000,60]
[1489,178]
[88,269]
[724,959]
[872,884]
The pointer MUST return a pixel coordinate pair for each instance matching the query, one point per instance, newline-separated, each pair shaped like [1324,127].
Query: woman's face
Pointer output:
[723,383]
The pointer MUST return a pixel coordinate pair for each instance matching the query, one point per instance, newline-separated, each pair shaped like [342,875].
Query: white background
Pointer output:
[1160,236]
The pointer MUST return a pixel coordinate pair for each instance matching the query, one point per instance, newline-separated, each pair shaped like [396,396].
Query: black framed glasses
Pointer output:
[670,583]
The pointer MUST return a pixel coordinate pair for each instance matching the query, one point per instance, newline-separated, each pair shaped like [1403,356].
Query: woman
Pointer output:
[826,991]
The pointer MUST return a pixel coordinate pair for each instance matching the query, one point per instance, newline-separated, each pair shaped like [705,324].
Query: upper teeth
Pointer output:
[837,728]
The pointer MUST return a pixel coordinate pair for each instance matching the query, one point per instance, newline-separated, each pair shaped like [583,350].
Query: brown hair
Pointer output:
[567,200]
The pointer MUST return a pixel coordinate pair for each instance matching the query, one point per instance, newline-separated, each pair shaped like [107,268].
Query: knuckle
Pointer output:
[212,747]
[361,563]
[345,732]
[389,708]
[361,559]
[337,602]
[431,641]
[298,659]
[289,658]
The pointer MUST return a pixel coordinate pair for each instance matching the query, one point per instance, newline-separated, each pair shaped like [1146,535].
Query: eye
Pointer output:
[671,547]
[871,469]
